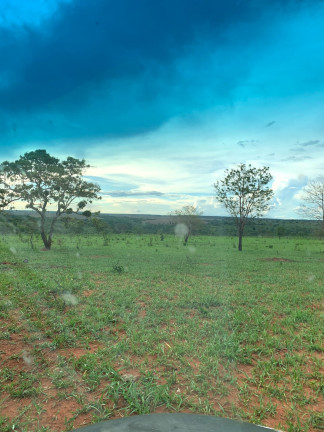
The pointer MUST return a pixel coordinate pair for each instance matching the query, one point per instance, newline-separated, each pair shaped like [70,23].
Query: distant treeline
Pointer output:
[21,222]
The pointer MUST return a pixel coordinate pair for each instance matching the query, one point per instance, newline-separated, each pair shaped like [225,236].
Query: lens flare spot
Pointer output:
[310,278]
[181,230]
[28,358]
[70,299]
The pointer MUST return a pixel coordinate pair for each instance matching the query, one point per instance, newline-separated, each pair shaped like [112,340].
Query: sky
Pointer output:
[161,97]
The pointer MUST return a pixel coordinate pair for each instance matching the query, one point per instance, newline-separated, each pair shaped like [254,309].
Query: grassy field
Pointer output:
[95,330]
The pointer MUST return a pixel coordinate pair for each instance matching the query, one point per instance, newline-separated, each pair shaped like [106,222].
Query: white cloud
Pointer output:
[280,182]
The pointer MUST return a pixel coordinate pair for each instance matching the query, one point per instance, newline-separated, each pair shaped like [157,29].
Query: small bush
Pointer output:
[117,268]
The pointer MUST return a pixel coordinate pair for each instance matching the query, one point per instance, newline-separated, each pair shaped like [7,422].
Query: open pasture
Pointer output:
[97,329]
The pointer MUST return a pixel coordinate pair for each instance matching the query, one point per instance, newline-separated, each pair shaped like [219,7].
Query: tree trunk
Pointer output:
[46,240]
[240,235]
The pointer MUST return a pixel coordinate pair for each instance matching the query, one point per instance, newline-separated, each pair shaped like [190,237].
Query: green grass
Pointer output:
[137,324]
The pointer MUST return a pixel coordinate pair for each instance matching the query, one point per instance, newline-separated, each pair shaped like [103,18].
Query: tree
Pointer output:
[188,221]
[101,228]
[313,195]
[244,193]
[281,231]
[45,183]
[7,195]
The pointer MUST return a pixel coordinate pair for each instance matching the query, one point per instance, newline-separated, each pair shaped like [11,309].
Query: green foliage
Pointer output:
[42,182]
[86,213]
[6,425]
[24,222]
[24,387]
[244,193]
[73,225]
[281,231]
[119,269]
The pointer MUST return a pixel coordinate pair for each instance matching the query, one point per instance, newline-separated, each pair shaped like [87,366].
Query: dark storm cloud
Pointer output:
[107,67]
[100,39]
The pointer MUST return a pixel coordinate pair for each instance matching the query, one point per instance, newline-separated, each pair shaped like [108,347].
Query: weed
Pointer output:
[119,269]
[25,386]
[6,374]
[6,425]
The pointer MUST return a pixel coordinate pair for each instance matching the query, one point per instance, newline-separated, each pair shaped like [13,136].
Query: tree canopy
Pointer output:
[244,193]
[45,183]
[188,221]
[313,195]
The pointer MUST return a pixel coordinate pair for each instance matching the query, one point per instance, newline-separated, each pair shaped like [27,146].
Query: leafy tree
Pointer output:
[45,183]
[313,195]
[281,231]
[244,193]
[73,225]
[188,221]
[7,195]
[100,226]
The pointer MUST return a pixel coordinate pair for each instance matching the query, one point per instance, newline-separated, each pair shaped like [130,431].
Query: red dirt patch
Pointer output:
[57,412]
[78,352]
[22,354]
[10,407]
[142,312]
[161,410]
[195,364]
[88,293]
